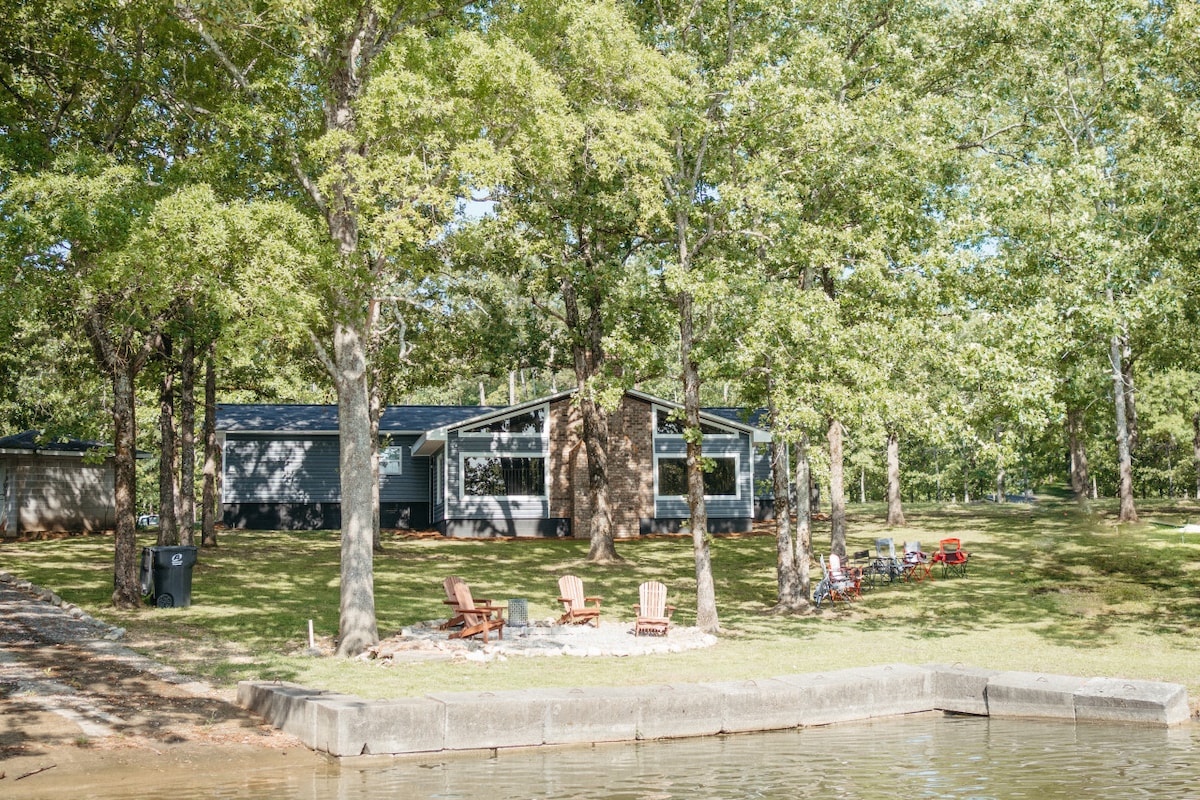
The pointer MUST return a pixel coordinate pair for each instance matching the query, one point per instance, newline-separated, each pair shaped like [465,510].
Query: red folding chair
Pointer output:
[952,557]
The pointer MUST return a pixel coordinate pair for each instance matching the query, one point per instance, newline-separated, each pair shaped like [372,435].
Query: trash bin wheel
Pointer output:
[165,601]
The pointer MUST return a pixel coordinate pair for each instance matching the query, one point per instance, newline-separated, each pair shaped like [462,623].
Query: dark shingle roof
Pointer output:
[756,417]
[267,418]
[63,444]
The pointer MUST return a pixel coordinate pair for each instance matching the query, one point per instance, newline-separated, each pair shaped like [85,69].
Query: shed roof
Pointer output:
[32,442]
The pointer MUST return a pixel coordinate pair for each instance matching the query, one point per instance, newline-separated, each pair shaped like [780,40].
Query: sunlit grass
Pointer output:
[1050,588]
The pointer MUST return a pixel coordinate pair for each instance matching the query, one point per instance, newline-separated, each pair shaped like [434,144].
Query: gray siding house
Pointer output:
[471,471]
[50,486]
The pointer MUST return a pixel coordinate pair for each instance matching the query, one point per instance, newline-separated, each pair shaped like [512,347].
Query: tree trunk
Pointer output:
[837,493]
[1131,417]
[803,520]
[587,354]
[212,453]
[706,598]
[1079,464]
[1128,513]
[357,625]
[1001,492]
[1196,449]
[376,411]
[168,476]
[862,484]
[786,567]
[601,548]
[127,590]
[187,441]
[122,363]
[895,513]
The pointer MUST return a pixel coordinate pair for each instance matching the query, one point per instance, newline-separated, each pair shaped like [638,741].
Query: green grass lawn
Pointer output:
[1050,589]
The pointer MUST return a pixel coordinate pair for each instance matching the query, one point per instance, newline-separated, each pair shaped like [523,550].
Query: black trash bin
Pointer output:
[166,575]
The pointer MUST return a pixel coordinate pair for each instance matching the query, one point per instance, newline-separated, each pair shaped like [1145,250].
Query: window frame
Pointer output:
[462,475]
[386,463]
[737,476]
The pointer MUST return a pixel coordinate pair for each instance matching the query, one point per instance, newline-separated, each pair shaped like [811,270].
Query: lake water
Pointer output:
[923,756]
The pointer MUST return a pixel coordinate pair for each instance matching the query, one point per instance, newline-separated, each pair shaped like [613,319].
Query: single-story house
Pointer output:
[475,471]
[50,485]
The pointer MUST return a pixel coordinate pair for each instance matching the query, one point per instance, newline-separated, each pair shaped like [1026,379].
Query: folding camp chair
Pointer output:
[833,586]
[952,557]
[917,566]
[886,565]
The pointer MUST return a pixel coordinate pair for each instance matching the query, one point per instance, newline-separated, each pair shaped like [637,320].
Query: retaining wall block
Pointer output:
[351,726]
[1032,694]
[959,689]
[487,720]
[1119,700]
[862,692]
[284,705]
[593,714]
[760,705]
[671,711]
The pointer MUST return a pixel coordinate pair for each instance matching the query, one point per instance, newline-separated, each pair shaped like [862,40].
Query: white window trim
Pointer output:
[467,433]
[729,435]
[439,480]
[462,471]
[737,466]
[397,462]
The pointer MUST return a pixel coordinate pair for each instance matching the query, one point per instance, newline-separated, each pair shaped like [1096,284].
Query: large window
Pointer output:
[529,422]
[722,481]
[495,476]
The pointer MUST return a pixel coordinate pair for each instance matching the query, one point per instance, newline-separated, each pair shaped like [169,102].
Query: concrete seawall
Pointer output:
[344,725]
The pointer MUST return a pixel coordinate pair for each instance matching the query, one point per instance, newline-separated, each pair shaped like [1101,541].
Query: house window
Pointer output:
[722,481]
[667,424]
[530,422]
[497,476]
[391,461]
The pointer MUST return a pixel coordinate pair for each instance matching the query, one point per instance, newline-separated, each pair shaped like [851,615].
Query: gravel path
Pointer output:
[426,641]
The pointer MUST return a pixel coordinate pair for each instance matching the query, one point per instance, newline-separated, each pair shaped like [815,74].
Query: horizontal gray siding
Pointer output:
[291,469]
[412,484]
[259,469]
[763,479]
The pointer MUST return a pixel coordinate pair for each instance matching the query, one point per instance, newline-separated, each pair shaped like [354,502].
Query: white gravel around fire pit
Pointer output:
[423,641]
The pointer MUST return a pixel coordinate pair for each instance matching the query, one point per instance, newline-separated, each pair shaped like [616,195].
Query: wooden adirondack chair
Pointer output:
[451,600]
[653,613]
[576,610]
[477,620]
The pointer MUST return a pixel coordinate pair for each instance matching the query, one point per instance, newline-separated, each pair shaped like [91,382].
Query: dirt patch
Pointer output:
[72,703]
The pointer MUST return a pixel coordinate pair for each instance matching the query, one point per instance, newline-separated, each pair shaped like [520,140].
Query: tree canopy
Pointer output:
[949,245]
